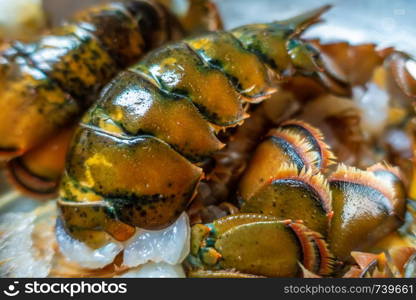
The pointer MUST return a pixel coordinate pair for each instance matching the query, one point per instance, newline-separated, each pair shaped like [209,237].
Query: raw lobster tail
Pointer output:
[351,209]
[46,85]
[284,175]
[258,245]
[37,172]
[378,208]
[134,159]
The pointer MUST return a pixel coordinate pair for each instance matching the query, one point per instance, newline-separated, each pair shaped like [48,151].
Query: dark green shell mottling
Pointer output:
[135,148]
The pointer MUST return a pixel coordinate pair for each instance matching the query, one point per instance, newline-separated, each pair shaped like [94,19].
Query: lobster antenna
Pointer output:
[301,22]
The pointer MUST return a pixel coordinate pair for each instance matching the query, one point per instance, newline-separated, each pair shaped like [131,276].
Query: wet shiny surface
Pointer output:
[125,171]
[359,213]
[386,22]
[389,23]
[136,106]
[290,199]
[279,255]
[180,71]
[266,163]
[46,84]
[144,181]
[223,51]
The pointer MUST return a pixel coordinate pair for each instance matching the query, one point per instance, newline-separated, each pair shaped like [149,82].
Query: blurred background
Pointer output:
[382,21]
[385,22]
